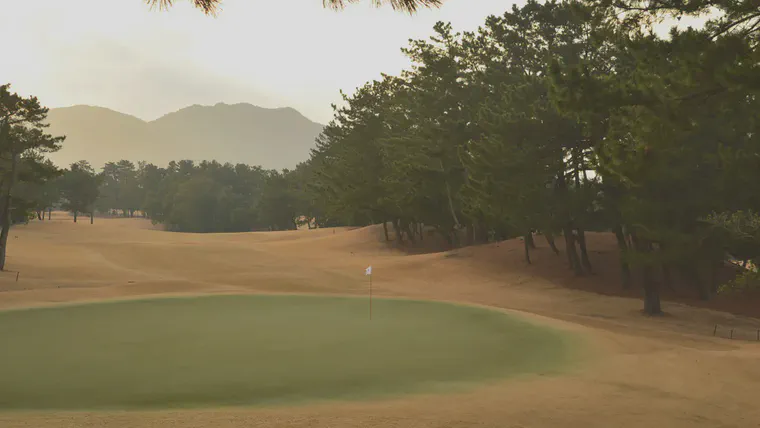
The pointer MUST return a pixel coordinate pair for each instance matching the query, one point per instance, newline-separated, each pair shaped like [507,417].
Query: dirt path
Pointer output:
[665,372]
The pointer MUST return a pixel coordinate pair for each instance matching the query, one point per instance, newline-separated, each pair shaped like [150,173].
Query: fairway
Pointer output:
[253,350]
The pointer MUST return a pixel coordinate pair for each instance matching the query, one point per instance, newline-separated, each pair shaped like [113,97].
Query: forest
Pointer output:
[207,197]
[555,119]
[563,118]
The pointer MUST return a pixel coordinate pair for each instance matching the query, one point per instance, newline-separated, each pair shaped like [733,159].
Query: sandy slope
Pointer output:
[665,372]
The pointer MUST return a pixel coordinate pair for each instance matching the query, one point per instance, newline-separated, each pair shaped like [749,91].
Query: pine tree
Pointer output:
[21,134]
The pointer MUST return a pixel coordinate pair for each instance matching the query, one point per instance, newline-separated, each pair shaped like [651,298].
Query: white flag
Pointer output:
[368,271]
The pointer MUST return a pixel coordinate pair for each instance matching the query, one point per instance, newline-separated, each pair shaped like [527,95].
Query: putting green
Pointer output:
[253,350]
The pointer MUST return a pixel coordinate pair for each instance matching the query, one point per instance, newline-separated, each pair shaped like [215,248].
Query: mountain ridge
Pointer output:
[273,138]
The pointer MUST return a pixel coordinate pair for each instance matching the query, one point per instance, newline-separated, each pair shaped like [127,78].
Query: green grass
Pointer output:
[257,350]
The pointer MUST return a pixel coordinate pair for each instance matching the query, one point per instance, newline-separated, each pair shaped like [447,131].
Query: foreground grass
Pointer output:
[254,350]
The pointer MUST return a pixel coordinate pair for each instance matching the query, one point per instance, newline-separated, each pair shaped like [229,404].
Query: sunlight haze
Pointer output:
[121,55]
[547,215]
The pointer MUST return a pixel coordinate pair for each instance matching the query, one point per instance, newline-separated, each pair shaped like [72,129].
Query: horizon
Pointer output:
[186,107]
[128,58]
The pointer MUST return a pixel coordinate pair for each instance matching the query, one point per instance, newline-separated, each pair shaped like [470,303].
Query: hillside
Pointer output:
[273,138]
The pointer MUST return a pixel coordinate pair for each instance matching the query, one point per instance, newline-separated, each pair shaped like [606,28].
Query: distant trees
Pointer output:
[79,187]
[279,208]
[183,196]
[120,188]
[37,190]
[208,196]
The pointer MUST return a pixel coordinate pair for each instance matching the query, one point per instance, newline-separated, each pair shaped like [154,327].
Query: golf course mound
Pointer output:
[259,350]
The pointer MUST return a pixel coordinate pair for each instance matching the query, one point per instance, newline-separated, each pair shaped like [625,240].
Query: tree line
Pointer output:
[205,197]
[184,196]
[565,117]
[557,117]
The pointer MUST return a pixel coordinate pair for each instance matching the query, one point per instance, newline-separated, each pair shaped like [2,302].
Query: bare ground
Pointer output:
[663,372]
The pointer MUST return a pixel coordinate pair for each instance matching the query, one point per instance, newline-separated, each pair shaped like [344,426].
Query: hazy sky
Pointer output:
[121,55]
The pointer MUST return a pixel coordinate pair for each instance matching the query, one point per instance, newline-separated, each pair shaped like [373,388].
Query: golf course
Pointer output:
[118,324]
[254,350]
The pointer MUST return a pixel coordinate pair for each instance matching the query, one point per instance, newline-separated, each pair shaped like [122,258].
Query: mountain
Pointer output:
[239,133]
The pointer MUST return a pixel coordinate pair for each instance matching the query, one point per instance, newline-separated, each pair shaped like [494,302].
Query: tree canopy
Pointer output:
[561,117]
[79,187]
[23,144]
[205,197]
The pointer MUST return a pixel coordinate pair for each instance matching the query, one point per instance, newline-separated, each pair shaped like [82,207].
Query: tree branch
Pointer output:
[209,7]
[730,25]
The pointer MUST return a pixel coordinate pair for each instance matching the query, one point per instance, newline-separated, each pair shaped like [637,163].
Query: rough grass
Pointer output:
[254,350]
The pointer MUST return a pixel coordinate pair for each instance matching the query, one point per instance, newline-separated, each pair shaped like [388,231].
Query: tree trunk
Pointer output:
[625,270]
[529,239]
[385,231]
[92,217]
[407,227]
[526,244]
[572,253]
[713,285]
[40,216]
[690,275]
[550,240]
[75,216]
[567,228]
[584,253]
[422,231]
[667,278]
[481,233]
[5,214]
[6,225]
[446,236]
[501,235]
[451,201]
[455,238]
[581,237]
[651,291]
[50,212]
[397,230]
